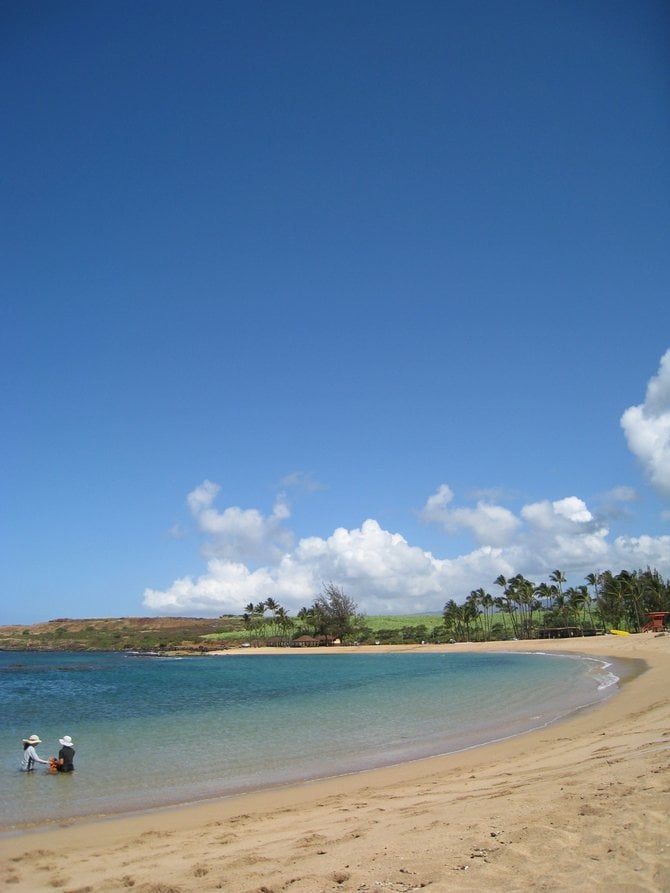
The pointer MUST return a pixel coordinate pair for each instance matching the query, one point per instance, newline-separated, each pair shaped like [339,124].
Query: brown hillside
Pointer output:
[118,634]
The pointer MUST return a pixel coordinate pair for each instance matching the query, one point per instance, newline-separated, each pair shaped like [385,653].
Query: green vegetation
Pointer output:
[386,628]
[118,634]
[333,616]
[526,610]
[523,609]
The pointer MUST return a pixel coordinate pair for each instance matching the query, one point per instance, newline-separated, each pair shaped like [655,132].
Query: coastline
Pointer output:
[578,805]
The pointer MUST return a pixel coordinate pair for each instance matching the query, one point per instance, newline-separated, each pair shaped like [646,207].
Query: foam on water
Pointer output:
[156,731]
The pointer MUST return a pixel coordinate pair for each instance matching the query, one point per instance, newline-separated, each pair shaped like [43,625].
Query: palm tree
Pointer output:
[656,591]
[561,607]
[454,617]
[558,577]
[610,600]
[313,618]
[485,600]
[472,612]
[544,591]
[522,592]
[505,602]
[259,618]
[488,603]
[632,595]
[250,617]
[594,580]
[577,597]
[584,602]
[500,581]
[283,621]
[272,605]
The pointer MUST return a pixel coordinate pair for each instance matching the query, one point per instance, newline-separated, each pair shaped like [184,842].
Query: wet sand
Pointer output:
[579,806]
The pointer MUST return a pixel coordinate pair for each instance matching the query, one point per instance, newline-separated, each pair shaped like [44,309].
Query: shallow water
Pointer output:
[153,731]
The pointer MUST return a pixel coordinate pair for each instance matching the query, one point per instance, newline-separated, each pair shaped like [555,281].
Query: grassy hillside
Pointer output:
[189,634]
[401,621]
[117,634]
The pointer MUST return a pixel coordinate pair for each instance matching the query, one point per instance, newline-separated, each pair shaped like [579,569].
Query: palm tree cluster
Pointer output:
[333,613]
[277,623]
[626,598]
[606,600]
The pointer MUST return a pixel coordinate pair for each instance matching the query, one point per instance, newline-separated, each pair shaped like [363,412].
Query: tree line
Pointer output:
[519,610]
[333,614]
[604,601]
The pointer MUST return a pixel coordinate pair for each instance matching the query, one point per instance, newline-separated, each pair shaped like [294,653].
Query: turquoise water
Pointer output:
[153,731]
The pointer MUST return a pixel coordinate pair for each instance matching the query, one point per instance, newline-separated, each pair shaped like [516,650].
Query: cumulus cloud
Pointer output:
[240,534]
[562,515]
[490,524]
[250,555]
[562,534]
[647,429]
[380,569]
[225,587]
[641,551]
[544,535]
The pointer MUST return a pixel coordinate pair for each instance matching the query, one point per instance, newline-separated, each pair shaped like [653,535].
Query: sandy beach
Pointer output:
[582,805]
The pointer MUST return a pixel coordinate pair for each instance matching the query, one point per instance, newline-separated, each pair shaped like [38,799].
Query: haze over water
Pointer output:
[156,731]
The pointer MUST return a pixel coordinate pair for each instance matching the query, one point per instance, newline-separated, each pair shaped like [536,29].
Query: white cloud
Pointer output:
[647,429]
[641,552]
[226,587]
[563,515]
[544,535]
[202,497]
[490,524]
[250,555]
[240,534]
[381,570]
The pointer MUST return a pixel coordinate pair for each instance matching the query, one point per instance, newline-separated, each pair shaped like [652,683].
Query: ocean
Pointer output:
[156,731]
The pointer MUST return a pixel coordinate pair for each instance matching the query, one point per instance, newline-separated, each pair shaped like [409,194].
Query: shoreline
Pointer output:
[623,670]
[474,812]
[94,803]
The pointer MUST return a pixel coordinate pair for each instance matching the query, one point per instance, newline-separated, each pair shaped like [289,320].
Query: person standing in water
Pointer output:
[30,758]
[65,760]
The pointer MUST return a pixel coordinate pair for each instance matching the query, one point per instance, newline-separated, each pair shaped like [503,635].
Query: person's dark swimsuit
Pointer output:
[66,754]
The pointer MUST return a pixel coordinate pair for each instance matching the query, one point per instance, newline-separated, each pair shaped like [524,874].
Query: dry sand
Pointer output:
[580,806]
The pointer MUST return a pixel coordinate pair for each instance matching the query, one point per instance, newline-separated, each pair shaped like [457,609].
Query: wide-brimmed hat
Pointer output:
[66,741]
[34,739]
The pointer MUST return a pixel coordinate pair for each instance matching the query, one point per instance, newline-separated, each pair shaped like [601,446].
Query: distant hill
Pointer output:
[120,634]
[194,635]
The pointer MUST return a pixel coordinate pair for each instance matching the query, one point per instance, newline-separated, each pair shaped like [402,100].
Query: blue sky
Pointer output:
[295,292]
